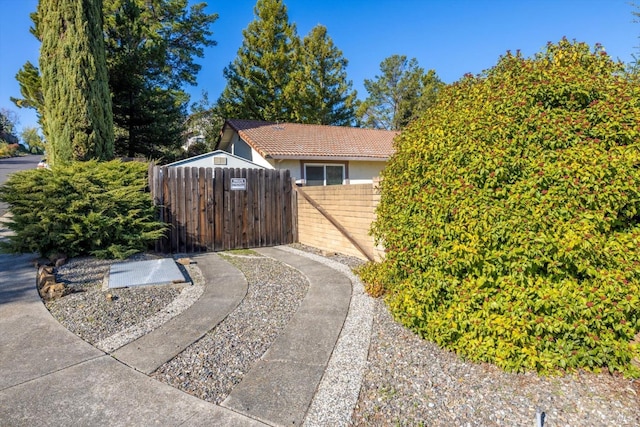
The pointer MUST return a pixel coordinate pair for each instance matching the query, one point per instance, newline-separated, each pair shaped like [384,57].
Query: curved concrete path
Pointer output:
[49,376]
[225,288]
[280,387]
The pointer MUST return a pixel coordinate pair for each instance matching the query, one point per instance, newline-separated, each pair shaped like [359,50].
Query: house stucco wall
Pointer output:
[293,166]
[364,172]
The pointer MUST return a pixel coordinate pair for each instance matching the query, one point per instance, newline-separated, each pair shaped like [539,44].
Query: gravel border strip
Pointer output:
[338,391]
[183,301]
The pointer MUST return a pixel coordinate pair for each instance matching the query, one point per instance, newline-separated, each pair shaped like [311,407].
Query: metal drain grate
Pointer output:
[144,273]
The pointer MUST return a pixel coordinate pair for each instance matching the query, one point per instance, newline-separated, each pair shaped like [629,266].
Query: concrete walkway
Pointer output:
[49,376]
[280,387]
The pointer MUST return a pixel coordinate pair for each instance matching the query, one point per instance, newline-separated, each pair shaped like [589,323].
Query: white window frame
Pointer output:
[324,167]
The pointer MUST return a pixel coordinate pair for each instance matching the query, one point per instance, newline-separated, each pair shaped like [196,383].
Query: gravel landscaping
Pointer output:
[410,381]
[406,380]
[89,314]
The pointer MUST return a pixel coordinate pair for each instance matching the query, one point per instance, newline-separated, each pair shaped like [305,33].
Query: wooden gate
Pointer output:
[209,209]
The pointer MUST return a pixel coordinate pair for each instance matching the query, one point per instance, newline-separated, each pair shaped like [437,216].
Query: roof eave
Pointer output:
[324,158]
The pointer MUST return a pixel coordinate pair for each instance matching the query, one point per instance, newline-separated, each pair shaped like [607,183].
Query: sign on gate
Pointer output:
[238,183]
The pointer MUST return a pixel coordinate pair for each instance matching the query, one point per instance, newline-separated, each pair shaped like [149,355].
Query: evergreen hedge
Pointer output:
[510,215]
[96,208]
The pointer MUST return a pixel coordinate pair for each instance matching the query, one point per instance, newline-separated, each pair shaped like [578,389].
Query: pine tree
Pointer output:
[258,78]
[400,94]
[320,88]
[77,105]
[151,46]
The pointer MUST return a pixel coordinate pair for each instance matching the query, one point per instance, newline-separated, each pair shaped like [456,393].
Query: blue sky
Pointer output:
[452,37]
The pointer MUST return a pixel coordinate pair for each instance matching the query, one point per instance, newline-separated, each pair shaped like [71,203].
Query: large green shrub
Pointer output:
[97,208]
[510,215]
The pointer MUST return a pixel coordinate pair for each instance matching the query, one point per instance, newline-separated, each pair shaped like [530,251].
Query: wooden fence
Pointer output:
[219,209]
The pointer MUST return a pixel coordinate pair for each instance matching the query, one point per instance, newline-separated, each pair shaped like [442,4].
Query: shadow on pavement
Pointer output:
[17,276]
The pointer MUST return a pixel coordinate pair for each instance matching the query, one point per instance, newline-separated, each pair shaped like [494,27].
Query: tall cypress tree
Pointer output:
[77,106]
[29,79]
[150,49]
[319,86]
[259,76]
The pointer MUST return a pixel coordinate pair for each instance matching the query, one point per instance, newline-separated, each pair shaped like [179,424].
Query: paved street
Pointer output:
[13,164]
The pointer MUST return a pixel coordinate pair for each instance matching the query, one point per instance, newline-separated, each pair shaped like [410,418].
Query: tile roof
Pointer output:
[292,140]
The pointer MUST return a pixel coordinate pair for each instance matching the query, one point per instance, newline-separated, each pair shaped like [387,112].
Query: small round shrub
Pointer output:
[84,208]
[510,215]
[8,150]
